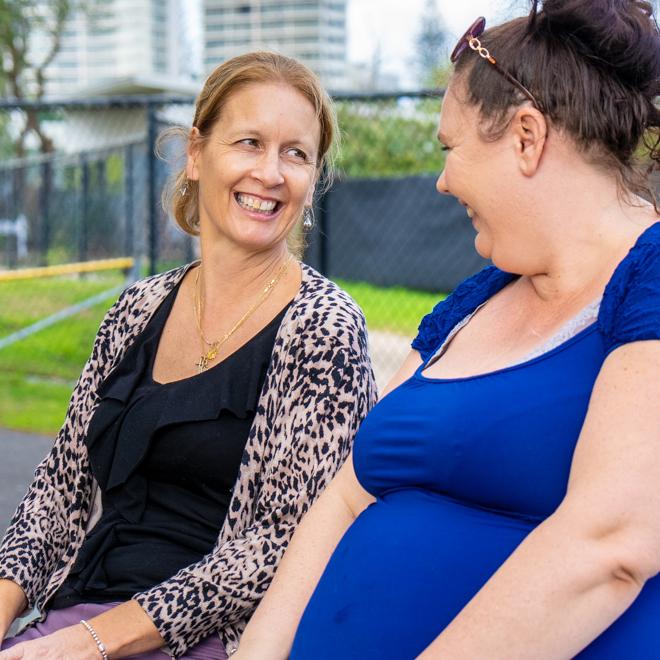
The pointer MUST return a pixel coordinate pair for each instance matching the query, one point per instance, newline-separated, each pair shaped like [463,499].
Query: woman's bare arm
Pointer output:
[584,566]
[12,602]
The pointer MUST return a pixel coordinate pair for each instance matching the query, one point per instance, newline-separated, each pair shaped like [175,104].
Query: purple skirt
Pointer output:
[210,648]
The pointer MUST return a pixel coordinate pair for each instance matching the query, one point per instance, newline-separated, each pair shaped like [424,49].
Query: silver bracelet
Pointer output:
[96,639]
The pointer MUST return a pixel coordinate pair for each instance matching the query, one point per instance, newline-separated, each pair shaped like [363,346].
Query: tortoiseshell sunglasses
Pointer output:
[470,39]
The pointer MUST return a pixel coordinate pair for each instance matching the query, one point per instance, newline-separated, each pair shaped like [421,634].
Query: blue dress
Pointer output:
[462,470]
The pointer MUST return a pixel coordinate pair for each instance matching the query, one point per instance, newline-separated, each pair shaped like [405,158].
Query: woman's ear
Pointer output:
[529,133]
[194,146]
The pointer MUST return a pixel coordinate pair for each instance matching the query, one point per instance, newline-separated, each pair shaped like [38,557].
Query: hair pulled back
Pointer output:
[227,79]
[594,68]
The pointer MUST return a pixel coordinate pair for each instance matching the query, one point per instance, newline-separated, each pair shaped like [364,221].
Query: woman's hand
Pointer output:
[73,643]
[124,630]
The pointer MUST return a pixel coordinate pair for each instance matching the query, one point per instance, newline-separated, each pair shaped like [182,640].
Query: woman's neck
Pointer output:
[582,263]
[230,276]
[586,228]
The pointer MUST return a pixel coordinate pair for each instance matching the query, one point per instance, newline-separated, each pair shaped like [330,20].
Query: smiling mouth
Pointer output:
[257,205]
[470,211]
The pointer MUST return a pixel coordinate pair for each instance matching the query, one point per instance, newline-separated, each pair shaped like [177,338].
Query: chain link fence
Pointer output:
[96,193]
[382,230]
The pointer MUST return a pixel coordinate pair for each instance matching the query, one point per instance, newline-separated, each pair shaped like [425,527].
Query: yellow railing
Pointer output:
[67,269]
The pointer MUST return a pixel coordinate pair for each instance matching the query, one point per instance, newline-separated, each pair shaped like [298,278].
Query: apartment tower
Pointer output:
[313,31]
[122,40]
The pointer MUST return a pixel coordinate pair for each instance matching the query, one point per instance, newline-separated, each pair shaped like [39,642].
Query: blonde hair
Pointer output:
[227,79]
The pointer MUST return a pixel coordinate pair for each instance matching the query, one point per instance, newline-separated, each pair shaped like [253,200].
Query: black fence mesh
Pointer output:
[90,188]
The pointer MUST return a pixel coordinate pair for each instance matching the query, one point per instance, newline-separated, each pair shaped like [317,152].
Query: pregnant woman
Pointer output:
[503,499]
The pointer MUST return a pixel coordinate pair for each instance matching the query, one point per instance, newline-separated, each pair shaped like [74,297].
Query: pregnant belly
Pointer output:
[402,572]
[407,567]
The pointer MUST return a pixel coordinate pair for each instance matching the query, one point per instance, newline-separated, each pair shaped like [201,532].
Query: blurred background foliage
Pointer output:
[389,138]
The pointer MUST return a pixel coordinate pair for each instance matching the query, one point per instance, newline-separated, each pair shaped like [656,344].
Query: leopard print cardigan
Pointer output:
[318,388]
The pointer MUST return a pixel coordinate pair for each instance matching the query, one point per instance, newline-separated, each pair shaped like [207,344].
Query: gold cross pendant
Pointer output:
[205,359]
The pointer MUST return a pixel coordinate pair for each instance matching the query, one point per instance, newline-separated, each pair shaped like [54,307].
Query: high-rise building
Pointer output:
[124,46]
[313,31]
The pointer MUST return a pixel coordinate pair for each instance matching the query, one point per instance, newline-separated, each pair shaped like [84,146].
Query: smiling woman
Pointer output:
[257,168]
[219,401]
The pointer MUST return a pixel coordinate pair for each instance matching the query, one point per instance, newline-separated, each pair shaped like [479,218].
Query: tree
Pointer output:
[19,21]
[430,43]
[384,139]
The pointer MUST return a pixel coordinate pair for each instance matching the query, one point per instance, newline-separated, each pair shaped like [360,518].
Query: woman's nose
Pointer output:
[441,184]
[269,169]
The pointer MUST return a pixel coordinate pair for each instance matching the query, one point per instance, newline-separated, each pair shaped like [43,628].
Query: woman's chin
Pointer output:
[483,246]
[252,237]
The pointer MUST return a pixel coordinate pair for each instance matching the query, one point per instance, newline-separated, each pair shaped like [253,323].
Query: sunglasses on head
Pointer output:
[469,39]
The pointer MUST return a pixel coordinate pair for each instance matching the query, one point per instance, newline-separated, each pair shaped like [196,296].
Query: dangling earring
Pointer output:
[307,222]
[184,190]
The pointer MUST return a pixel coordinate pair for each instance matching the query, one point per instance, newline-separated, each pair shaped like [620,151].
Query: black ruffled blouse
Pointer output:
[166,457]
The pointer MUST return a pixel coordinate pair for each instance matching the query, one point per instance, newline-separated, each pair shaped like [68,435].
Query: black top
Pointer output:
[166,457]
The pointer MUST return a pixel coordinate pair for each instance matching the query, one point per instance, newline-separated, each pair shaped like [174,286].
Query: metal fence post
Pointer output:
[81,226]
[152,197]
[190,250]
[11,214]
[129,230]
[17,186]
[18,194]
[44,201]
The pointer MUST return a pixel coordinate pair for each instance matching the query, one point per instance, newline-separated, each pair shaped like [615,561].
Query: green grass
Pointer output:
[32,406]
[392,309]
[37,374]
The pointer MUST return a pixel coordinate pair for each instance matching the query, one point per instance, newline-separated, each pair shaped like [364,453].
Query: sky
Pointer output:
[393,24]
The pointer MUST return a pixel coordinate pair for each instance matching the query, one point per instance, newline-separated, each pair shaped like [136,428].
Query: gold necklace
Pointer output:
[212,353]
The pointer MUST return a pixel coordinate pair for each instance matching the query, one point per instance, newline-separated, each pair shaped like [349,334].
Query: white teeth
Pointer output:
[470,212]
[256,204]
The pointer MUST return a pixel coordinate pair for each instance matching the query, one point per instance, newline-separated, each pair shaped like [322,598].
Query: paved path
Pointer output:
[388,351]
[20,453]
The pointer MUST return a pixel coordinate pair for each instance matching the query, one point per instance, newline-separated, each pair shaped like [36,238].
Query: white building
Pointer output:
[126,46]
[313,31]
